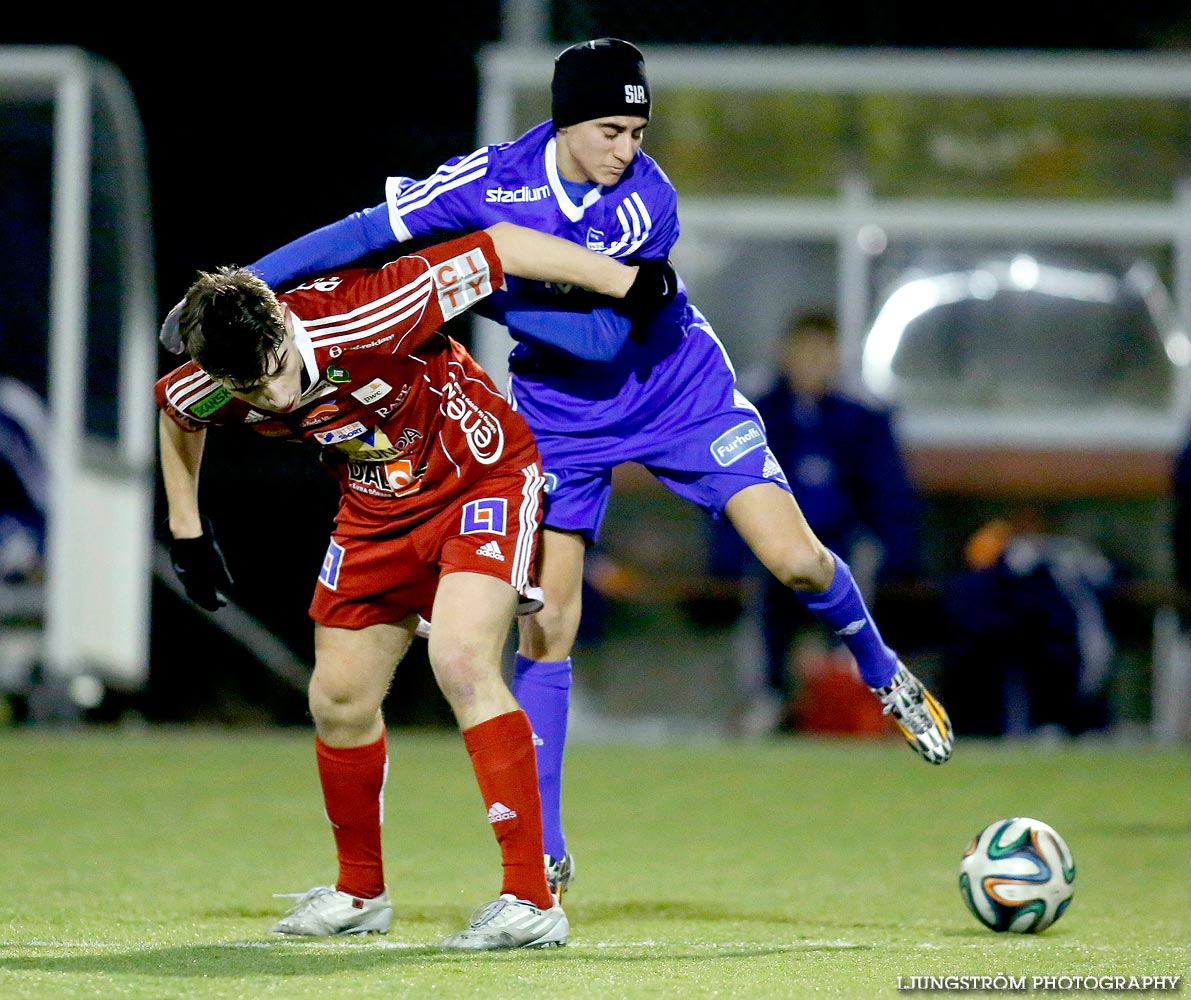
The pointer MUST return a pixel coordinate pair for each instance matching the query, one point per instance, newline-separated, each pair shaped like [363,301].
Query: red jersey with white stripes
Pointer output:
[405,417]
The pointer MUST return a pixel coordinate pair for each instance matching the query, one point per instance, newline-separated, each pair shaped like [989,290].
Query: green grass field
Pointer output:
[142,865]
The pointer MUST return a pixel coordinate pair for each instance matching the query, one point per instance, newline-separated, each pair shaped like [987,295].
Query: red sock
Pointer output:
[503,757]
[353,780]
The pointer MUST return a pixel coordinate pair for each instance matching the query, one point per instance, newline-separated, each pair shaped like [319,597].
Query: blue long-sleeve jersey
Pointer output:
[513,182]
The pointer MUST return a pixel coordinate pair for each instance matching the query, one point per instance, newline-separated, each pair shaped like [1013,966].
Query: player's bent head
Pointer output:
[232,325]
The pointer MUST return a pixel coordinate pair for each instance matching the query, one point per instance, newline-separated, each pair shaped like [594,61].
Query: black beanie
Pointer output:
[598,79]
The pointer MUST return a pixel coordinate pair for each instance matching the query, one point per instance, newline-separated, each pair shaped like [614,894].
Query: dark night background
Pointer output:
[259,129]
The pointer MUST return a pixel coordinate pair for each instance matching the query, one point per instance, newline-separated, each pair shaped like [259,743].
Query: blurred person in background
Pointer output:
[840,451]
[440,484]
[24,421]
[1181,520]
[598,389]
[1027,650]
[1177,682]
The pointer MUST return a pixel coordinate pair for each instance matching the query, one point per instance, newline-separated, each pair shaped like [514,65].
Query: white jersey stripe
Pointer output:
[375,329]
[408,206]
[184,395]
[411,299]
[523,553]
[619,245]
[183,386]
[393,299]
[479,158]
[627,208]
[635,225]
[640,229]
[646,220]
[630,210]
[450,458]
[335,335]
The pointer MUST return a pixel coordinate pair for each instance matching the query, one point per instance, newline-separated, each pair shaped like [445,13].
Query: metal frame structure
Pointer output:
[99,548]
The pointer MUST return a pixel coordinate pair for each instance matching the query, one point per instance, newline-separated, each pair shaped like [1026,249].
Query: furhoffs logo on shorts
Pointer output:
[734,444]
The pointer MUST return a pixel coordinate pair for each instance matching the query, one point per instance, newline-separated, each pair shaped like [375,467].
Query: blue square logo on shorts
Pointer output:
[487,515]
[734,444]
[328,576]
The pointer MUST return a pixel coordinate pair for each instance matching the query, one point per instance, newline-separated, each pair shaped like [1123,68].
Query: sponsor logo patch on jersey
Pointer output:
[485,436]
[328,576]
[595,239]
[337,375]
[372,343]
[344,433]
[374,446]
[488,515]
[319,415]
[211,402]
[397,478]
[734,444]
[511,196]
[461,281]
[374,390]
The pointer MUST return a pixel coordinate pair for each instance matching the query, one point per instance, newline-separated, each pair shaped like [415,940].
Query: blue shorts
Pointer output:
[681,417]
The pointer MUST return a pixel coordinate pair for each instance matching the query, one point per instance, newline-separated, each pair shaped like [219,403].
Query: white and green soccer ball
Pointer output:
[1017,875]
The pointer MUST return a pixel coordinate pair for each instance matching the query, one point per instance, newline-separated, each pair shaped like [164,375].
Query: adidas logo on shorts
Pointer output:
[491,550]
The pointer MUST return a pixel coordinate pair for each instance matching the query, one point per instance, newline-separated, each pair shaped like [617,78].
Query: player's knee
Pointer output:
[339,709]
[805,565]
[549,634]
[460,676]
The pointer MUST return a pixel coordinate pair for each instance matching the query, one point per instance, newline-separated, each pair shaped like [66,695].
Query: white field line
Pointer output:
[1021,941]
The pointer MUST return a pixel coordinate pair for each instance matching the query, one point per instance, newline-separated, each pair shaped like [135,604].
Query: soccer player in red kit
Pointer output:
[441,492]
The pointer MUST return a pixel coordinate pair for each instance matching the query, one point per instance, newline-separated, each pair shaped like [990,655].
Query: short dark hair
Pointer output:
[815,321]
[231,325]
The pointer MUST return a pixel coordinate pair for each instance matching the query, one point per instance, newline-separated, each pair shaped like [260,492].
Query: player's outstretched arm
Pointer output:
[326,249]
[528,253]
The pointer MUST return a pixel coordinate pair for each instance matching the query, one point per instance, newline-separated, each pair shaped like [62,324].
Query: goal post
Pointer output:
[88,347]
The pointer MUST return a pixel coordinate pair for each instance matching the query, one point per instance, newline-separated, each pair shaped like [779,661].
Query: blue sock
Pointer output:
[543,689]
[841,608]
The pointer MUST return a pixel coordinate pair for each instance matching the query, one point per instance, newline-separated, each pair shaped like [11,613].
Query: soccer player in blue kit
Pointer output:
[599,389]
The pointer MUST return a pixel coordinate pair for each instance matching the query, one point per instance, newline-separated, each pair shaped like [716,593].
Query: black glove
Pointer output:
[653,289]
[201,568]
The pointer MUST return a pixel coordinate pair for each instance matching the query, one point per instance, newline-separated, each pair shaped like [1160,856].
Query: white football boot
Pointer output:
[920,717]
[324,911]
[509,922]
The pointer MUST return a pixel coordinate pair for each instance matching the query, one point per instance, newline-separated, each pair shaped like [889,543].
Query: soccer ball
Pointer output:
[1017,875]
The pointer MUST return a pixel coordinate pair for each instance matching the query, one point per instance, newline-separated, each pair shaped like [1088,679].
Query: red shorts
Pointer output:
[370,577]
